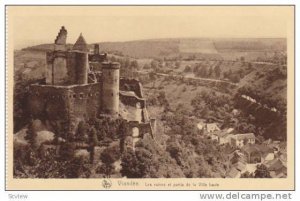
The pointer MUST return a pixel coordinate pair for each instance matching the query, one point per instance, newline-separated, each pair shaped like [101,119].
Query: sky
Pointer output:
[36,25]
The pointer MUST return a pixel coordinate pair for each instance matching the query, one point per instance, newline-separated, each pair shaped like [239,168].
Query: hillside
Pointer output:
[200,48]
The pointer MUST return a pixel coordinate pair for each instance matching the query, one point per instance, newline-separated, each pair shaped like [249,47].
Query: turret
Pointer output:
[96,49]
[110,87]
[78,62]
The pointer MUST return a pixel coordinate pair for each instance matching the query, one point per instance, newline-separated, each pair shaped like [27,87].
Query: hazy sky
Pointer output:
[33,26]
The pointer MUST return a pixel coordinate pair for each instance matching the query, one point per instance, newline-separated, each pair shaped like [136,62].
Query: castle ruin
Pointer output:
[82,84]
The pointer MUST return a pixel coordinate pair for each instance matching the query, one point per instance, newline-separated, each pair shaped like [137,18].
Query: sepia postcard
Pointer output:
[150,98]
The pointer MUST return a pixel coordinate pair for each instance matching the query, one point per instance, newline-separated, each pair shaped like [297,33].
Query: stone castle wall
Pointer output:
[64,106]
[66,67]
[131,85]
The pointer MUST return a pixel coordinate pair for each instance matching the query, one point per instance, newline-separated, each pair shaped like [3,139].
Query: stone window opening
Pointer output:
[74,95]
[81,95]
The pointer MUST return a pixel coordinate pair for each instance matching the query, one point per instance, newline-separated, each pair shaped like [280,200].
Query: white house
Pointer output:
[239,140]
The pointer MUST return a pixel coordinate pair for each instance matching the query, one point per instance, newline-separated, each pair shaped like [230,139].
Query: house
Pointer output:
[230,130]
[221,136]
[211,127]
[224,138]
[237,156]
[239,140]
[252,153]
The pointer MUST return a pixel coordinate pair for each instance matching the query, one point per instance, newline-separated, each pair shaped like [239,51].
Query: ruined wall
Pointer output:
[64,106]
[131,85]
[66,67]
[56,68]
[78,66]
[45,101]
[85,100]
[132,100]
[143,128]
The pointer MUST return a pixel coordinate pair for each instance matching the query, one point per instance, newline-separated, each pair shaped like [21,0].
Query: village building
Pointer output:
[211,127]
[252,153]
[240,140]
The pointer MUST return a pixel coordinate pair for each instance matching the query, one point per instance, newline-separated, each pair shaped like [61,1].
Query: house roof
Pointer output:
[244,136]
[80,44]
[219,133]
[230,130]
[250,148]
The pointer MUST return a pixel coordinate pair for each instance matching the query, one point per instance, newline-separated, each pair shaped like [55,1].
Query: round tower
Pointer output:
[110,87]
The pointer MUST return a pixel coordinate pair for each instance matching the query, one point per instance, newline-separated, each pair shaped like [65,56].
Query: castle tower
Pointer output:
[56,68]
[96,49]
[78,62]
[110,87]
[80,44]
[60,40]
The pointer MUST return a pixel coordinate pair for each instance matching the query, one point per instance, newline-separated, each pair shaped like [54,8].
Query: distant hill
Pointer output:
[159,48]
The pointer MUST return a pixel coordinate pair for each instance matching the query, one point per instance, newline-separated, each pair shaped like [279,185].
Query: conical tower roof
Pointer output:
[80,44]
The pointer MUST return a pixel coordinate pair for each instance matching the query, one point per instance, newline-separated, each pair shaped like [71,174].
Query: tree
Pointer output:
[262,172]
[93,141]
[154,64]
[210,72]
[217,71]
[108,157]
[113,59]
[67,151]
[177,64]
[187,69]
[242,59]
[31,136]
[81,131]
[77,168]
[93,138]
[130,165]
[146,66]
[152,77]
[134,65]
[203,71]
